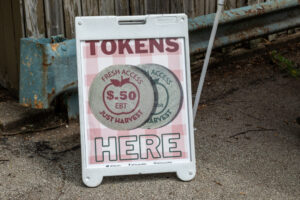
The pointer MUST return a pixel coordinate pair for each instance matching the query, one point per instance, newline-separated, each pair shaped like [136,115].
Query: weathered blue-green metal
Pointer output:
[48,66]
[244,23]
[47,69]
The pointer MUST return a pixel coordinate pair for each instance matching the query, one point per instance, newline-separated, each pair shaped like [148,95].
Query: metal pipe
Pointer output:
[207,57]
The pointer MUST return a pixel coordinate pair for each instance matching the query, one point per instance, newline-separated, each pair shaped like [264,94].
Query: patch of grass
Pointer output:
[285,64]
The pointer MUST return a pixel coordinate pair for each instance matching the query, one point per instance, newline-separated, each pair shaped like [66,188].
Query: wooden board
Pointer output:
[90,8]
[20,5]
[106,7]
[176,6]
[137,7]
[199,7]
[251,2]
[163,6]
[54,17]
[232,4]
[150,6]
[34,13]
[241,3]
[60,14]
[10,33]
[19,32]
[188,7]
[3,69]
[210,6]
[72,8]
[122,7]
[157,6]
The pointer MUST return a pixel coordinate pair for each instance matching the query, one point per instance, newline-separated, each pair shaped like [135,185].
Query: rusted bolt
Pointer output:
[63,47]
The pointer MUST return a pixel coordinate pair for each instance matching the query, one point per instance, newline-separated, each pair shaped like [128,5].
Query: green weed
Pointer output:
[285,64]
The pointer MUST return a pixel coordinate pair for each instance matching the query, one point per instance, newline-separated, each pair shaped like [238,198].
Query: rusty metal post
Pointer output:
[47,69]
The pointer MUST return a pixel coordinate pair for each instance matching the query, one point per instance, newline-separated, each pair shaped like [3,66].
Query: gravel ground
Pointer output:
[247,146]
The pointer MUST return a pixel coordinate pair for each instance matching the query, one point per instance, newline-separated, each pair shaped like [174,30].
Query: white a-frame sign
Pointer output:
[135,96]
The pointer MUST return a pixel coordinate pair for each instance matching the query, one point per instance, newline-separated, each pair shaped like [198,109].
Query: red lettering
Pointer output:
[139,45]
[110,47]
[92,46]
[104,47]
[158,45]
[172,45]
[124,45]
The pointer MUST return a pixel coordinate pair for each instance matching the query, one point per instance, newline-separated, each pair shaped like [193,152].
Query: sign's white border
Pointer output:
[108,28]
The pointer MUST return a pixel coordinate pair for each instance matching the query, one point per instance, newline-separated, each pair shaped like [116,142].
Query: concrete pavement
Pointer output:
[247,147]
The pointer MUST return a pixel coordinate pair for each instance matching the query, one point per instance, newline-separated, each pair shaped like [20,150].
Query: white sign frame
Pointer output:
[155,26]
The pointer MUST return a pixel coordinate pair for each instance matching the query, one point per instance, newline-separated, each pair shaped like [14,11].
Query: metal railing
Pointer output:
[54,71]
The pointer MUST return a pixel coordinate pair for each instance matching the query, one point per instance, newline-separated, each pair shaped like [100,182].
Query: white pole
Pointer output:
[207,56]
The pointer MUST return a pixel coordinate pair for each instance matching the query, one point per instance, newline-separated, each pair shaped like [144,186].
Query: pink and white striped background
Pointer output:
[93,64]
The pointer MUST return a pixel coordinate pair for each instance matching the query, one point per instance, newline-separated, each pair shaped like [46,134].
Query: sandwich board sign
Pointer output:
[134,96]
